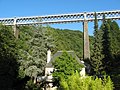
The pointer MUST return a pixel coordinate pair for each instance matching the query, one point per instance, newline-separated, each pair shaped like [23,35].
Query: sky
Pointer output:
[15,8]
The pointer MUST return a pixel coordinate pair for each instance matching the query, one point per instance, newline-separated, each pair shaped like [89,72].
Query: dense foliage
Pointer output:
[23,59]
[75,82]
[31,55]
[8,59]
[65,65]
[33,58]
[106,51]
[97,55]
[69,40]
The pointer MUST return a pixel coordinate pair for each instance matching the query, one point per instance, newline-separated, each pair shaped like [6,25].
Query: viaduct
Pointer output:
[84,17]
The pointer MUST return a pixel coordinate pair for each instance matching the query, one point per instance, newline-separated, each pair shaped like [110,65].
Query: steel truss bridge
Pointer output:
[84,17]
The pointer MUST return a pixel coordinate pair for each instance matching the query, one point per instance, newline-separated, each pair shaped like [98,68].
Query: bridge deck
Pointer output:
[60,18]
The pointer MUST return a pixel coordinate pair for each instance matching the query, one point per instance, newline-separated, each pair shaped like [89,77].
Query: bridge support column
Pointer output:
[16,32]
[86,51]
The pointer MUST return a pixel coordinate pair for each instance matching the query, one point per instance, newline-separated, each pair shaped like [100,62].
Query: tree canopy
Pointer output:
[65,65]
[8,59]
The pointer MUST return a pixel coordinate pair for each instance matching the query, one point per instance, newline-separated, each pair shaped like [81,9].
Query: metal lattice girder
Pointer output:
[60,18]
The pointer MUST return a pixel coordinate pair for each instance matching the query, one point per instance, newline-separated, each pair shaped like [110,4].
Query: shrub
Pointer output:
[75,82]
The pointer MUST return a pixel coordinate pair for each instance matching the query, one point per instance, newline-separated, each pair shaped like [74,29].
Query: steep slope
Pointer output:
[68,40]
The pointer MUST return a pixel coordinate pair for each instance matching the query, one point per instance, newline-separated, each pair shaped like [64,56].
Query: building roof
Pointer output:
[59,53]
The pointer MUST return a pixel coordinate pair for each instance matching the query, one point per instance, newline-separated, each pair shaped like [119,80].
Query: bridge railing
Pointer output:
[61,18]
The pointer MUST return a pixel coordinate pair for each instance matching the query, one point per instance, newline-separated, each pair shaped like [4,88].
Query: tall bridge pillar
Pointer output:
[86,50]
[16,32]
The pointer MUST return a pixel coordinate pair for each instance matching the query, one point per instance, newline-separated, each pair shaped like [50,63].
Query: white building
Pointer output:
[49,67]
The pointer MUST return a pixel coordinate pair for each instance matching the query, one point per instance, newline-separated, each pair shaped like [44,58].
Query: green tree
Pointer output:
[110,43]
[26,34]
[106,43]
[97,56]
[75,82]
[8,59]
[115,53]
[65,65]
[114,38]
[33,57]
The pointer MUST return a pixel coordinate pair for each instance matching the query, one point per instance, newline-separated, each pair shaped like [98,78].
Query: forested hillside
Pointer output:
[33,44]
[68,40]
[26,56]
